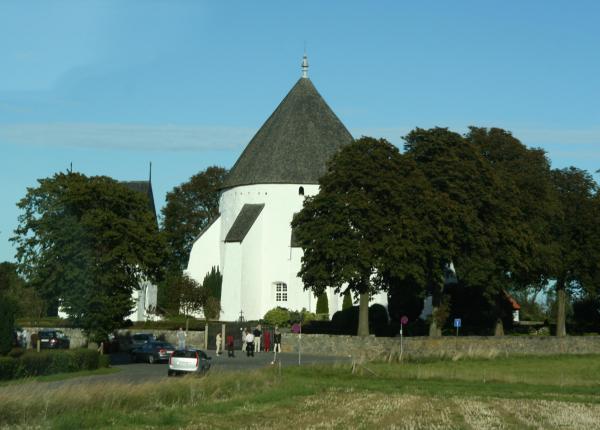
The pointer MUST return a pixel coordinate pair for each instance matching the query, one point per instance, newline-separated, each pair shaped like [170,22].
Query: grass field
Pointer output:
[503,393]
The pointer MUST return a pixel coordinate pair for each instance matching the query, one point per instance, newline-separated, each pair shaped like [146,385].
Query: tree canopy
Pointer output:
[365,225]
[575,233]
[190,207]
[90,242]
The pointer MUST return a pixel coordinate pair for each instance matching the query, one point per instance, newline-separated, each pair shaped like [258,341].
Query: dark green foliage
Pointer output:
[586,314]
[347,303]
[277,317]
[405,299]
[7,324]
[576,237]
[90,242]
[13,286]
[365,225]
[322,304]
[346,321]
[33,363]
[190,207]
[212,282]
[8,368]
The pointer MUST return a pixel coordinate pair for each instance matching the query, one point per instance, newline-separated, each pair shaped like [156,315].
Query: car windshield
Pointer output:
[46,334]
[142,337]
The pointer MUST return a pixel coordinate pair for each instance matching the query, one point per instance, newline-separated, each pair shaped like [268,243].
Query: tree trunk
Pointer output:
[363,315]
[187,323]
[561,299]
[499,328]
[434,330]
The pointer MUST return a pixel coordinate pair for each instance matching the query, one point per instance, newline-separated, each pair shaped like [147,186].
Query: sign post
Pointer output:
[457,323]
[300,345]
[403,322]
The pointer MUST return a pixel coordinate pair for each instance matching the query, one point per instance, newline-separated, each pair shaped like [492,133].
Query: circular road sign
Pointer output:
[404,320]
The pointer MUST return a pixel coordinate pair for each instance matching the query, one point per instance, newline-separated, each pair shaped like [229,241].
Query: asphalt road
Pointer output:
[136,373]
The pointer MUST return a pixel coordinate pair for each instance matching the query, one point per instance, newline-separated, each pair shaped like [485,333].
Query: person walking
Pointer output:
[267,342]
[257,333]
[277,340]
[229,345]
[181,335]
[250,344]
[276,344]
[244,334]
[218,340]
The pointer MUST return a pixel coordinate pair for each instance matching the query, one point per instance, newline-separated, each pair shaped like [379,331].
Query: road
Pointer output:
[136,373]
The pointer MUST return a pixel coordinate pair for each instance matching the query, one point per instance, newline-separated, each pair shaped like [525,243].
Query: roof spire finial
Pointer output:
[305,65]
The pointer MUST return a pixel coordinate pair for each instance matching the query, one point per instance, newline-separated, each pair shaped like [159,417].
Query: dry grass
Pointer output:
[321,398]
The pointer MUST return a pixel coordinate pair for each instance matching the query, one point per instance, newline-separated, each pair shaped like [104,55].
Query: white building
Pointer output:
[251,241]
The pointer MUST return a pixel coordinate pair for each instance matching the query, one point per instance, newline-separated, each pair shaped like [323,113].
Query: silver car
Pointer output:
[186,361]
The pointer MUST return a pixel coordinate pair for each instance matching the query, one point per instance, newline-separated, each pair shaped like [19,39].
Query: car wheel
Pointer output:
[151,359]
[170,373]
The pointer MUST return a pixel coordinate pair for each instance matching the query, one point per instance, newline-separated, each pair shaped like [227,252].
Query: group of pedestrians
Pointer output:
[255,340]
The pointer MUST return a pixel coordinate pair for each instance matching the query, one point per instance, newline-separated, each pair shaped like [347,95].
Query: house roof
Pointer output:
[144,187]
[294,144]
[243,222]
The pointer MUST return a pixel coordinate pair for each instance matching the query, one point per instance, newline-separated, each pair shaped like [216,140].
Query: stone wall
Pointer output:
[389,348]
[420,347]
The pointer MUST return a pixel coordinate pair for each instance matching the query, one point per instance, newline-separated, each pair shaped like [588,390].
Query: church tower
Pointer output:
[251,241]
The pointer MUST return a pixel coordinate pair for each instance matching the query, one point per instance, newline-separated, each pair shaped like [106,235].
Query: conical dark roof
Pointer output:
[294,144]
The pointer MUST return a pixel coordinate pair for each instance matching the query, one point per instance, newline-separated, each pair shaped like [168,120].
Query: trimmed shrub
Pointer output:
[347,303]
[8,368]
[323,304]
[277,316]
[33,363]
[346,321]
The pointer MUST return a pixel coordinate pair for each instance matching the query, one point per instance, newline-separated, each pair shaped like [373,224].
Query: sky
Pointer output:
[111,86]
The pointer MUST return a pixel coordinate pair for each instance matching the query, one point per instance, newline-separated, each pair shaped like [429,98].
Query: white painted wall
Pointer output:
[205,252]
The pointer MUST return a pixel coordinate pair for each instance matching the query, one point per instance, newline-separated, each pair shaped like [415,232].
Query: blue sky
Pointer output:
[112,85]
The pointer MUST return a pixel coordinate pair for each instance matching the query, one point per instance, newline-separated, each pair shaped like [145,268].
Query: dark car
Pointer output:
[187,361]
[152,352]
[136,341]
[53,339]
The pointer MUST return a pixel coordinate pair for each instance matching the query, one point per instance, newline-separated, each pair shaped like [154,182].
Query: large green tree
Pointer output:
[576,236]
[190,207]
[365,226]
[90,242]
[477,221]
[523,254]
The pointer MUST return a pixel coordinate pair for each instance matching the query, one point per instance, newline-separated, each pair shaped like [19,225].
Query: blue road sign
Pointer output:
[457,322]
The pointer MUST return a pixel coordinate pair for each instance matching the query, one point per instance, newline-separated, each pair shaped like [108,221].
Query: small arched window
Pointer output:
[301,191]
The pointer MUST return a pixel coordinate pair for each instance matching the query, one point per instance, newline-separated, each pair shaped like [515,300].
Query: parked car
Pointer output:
[137,340]
[187,361]
[53,339]
[152,352]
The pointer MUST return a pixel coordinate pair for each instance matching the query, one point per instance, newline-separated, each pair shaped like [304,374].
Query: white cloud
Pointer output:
[126,136]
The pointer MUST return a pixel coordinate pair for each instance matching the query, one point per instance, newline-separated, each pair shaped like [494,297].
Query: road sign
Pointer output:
[404,320]
[457,322]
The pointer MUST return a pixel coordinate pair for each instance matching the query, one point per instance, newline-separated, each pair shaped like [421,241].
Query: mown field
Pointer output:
[501,393]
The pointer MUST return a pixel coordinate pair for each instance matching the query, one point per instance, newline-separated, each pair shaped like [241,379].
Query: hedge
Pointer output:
[34,363]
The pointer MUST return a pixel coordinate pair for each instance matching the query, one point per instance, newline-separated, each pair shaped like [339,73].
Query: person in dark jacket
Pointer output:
[257,333]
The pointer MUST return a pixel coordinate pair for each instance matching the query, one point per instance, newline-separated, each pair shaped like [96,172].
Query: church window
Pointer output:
[301,191]
[280,292]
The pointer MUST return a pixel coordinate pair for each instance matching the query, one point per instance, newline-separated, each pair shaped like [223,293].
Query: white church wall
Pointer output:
[274,230]
[205,252]
[252,295]
[231,300]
